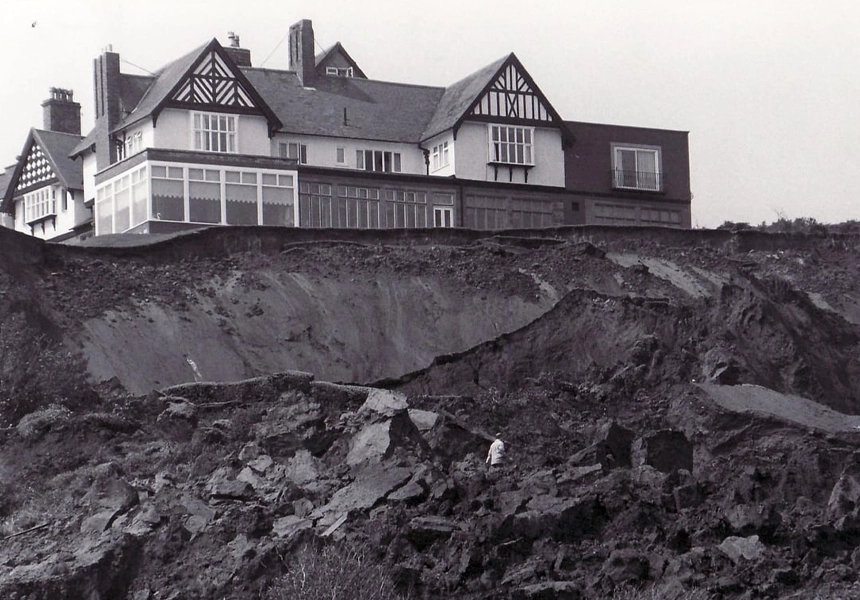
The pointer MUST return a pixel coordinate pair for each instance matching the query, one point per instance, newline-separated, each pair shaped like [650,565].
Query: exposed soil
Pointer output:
[681,411]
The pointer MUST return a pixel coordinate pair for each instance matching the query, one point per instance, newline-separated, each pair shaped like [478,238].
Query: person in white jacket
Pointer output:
[496,455]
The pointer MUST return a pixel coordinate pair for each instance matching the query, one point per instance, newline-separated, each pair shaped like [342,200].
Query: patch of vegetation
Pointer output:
[332,571]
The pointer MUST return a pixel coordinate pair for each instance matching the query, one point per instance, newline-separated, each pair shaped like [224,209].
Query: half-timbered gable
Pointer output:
[512,95]
[36,169]
[44,190]
[496,125]
[214,84]
[205,80]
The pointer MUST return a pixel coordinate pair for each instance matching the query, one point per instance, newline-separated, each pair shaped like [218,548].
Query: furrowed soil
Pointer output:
[187,416]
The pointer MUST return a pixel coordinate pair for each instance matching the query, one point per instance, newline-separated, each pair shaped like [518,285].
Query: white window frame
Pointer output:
[206,138]
[295,150]
[340,71]
[39,203]
[391,161]
[441,156]
[638,179]
[511,145]
[133,144]
[340,155]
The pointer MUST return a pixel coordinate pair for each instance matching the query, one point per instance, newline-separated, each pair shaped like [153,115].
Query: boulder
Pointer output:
[222,485]
[613,446]
[563,519]
[370,487]
[294,426]
[199,514]
[626,566]
[845,493]
[377,440]
[667,451]
[755,518]
[302,468]
[424,419]
[423,531]
[740,549]
[290,525]
[384,403]
[179,420]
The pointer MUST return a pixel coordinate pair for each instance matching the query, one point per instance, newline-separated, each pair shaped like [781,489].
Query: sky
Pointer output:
[769,90]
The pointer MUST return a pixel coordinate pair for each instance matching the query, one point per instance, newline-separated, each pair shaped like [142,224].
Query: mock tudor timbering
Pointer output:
[211,139]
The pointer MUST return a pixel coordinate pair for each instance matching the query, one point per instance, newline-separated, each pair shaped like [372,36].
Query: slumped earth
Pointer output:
[182,415]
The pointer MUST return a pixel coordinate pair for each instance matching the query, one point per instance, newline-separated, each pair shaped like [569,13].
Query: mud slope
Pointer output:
[343,310]
[718,324]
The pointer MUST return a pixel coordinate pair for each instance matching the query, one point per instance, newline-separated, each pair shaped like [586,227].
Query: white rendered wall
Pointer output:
[173,131]
[472,155]
[447,136]
[88,171]
[322,151]
[64,221]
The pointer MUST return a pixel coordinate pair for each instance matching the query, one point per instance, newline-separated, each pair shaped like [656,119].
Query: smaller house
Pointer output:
[43,194]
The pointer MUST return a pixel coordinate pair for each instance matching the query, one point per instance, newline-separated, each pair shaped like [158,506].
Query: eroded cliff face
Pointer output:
[679,409]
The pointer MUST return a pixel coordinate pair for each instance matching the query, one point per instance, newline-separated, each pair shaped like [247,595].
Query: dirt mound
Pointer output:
[679,410]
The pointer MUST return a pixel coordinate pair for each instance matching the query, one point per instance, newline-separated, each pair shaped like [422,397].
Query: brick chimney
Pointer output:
[107,84]
[302,59]
[240,56]
[61,113]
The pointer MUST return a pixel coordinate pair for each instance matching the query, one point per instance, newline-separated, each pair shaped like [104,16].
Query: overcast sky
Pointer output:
[768,89]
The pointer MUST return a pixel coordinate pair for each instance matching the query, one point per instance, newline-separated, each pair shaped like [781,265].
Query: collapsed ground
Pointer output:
[679,408]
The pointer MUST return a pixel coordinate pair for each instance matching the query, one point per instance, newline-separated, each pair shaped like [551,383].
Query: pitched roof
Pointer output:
[162,83]
[57,148]
[167,80]
[459,97]
[347,107]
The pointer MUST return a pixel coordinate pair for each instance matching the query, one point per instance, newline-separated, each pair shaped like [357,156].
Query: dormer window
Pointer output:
[340,71]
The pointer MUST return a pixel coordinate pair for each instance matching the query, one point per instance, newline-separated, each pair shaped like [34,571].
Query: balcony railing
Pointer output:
[637,180]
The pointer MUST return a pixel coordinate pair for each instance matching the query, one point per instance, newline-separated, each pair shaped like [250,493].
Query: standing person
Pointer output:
[496,455]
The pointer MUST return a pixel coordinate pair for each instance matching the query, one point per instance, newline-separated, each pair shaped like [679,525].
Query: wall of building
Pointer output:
[588,163]
[343,199]
[322,151]
[450,170]
[68,214]
[472,156]
[173,131]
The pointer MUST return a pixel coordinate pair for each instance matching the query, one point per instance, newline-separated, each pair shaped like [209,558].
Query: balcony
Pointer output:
[643,181]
